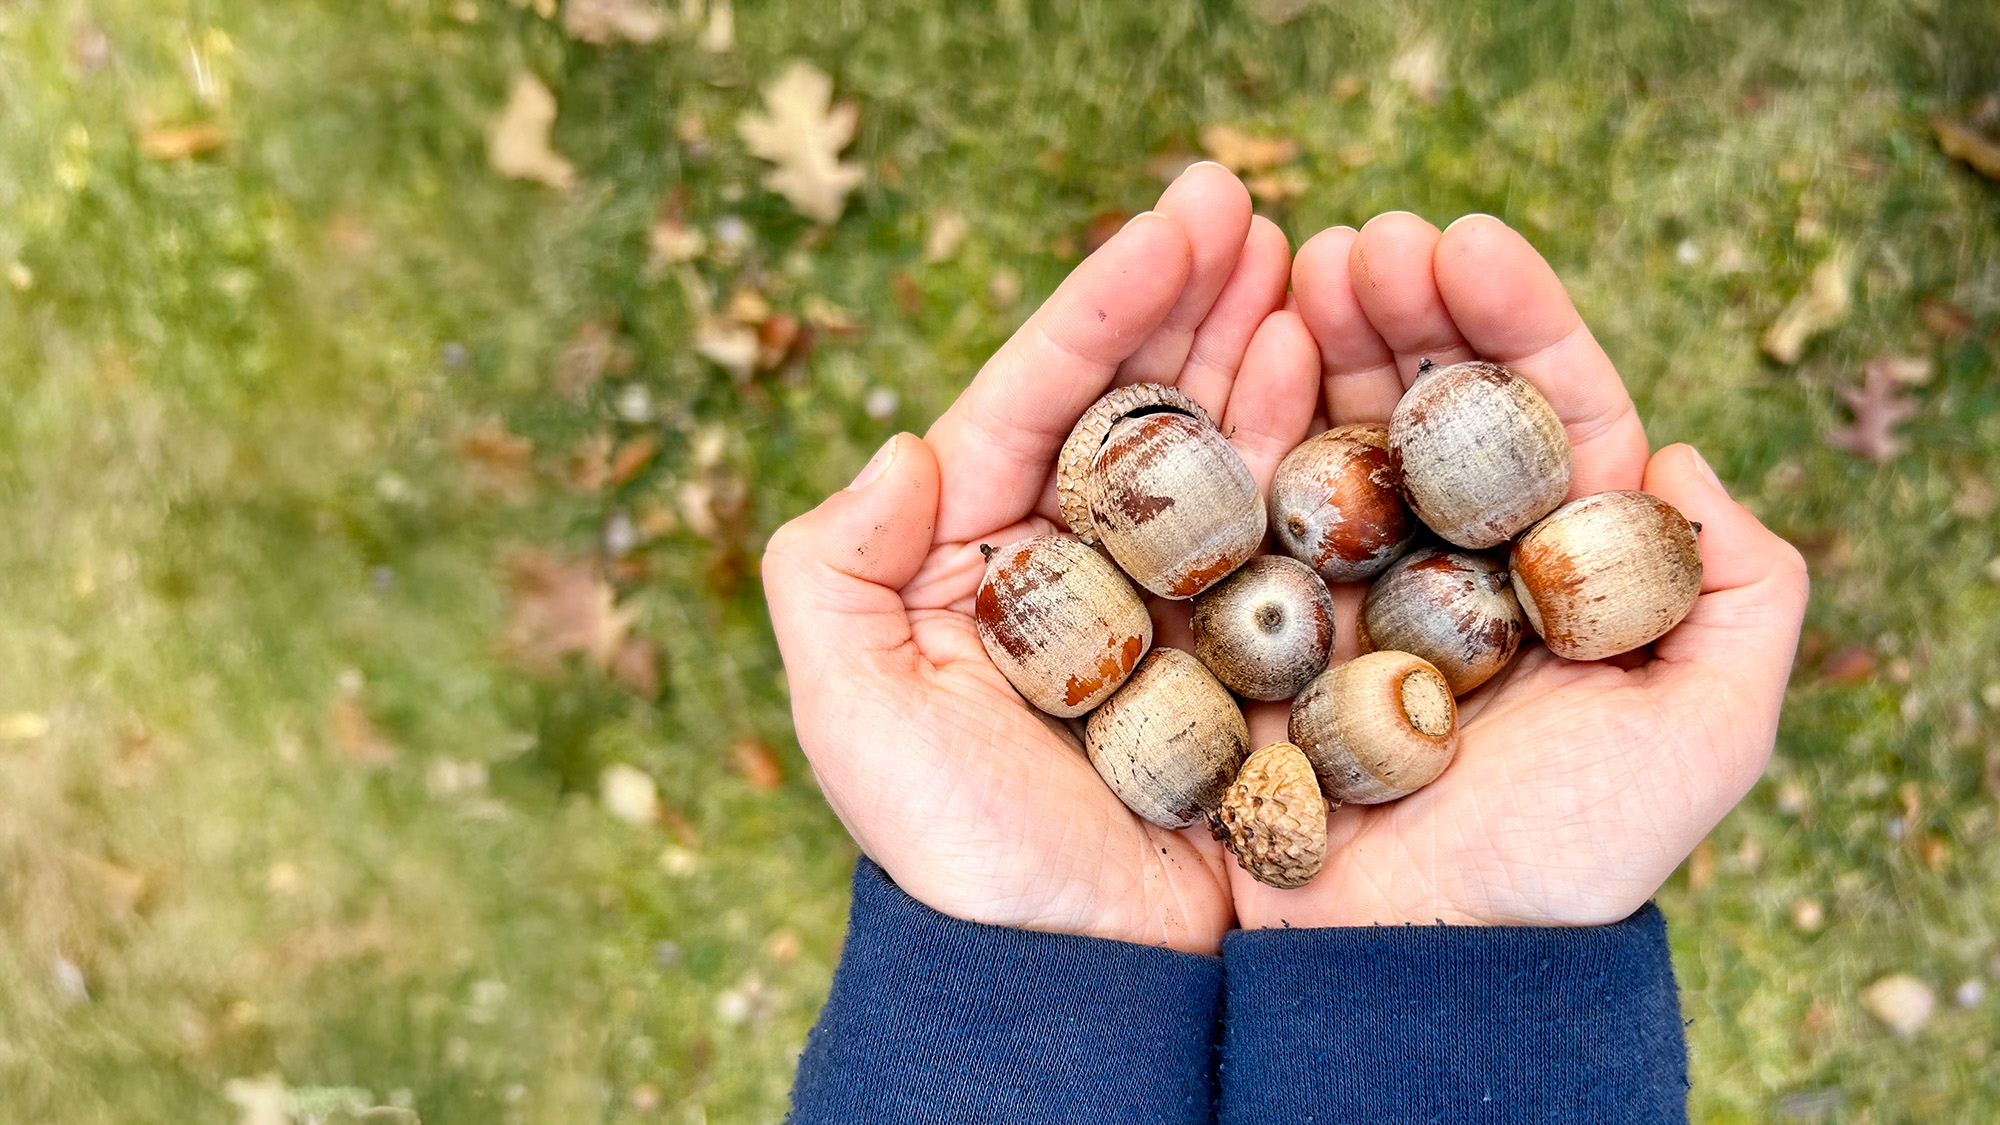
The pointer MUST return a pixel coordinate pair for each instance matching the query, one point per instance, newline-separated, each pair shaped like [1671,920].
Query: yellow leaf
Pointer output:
[803,132]
[1240,152]
[517,145]
[604,22]
[181,142]
[1822,305]
[1963,143]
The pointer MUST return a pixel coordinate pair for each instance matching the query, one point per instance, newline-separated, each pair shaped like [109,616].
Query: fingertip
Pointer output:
[1736,548]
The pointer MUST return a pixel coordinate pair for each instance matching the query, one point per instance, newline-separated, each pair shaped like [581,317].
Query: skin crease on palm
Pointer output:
[1578,787]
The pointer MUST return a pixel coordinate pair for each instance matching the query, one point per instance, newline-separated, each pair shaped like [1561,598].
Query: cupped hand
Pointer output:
[1578,787]
[973,802]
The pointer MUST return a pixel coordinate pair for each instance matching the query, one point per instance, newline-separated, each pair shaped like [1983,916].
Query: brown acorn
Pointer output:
[1337,503]
[1453,608]
[1165,492]
[1060,623]
[1379,727]
[1265,631]
[1169,743]
[1607,573]
[1274,817]
[1481,452]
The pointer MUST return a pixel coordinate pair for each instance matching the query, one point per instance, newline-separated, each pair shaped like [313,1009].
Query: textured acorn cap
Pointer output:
[1079,450]
[1274,817]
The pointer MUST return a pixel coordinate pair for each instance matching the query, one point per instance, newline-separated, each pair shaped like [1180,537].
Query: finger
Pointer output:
[1213,209]
[996,444]
[1512,309]
[1271,406]
[1394,281]
[1255,290]
[831,576]
[1359,370]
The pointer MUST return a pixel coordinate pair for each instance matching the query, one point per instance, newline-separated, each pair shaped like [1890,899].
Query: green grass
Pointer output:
[232,480]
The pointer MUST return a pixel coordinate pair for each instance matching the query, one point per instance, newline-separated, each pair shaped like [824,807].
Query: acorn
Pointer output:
[1146,473]
[1274,817]
[1455,609]
[1060,622]
[1170,741]
[1481,452]
[1378,727]
[1607,574]
[1266,630]
[1337,503]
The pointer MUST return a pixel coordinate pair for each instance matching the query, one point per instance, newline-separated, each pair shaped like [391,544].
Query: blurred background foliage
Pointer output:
[389,714]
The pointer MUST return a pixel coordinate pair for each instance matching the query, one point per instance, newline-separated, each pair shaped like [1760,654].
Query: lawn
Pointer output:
[389,712]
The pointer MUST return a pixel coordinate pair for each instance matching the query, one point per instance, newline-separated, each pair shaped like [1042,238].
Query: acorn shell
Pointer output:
[1170,742]
[1174,503]
[1266,630]
[1481,452]
[1060,623]
[1607,573]
[1379,727]
[1079,450]
[1453,608]
[1274,817]
[1337,503]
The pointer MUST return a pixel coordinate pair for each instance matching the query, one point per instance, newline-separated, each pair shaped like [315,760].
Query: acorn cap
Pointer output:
[1079,450]
[1274,817]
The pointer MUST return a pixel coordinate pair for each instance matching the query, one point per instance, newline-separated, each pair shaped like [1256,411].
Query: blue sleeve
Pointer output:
[935,1019]
[1494,1025]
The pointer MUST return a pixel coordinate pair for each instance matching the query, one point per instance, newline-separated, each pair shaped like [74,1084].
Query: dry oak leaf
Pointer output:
[758,763]
[1823,304]
[498,462]
[181,142]
[802,133]
[563,607]
[517,143]
[1879,406]
[1242,153]
[605,22]
[1962,142]
[354,732]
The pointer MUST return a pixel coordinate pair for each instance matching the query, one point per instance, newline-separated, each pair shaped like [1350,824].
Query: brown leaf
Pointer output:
[1420,68]
[633,457]
[908,294]
[1701,867]
[1962,142]
[1241,152]
[1851,665]
[1823,304]
[498,462]
[729,344]
[563,607]
[636,665]
[1879,407]
[672,240]
[758,763]
[830,320]
[604,22]
[1943,319]
[1280,185]
[588,467]
[777,339]
[181,142]
[517,141]
[802,133]
[354,732]
[944,233]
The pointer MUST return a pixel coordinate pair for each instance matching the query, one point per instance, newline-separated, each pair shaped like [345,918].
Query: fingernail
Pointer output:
[876,466]
[1476,215]
[1701,463]
[1141,215]
[1210,163]
[1378,218]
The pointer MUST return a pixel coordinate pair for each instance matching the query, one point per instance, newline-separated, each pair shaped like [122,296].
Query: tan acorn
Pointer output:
[1266,630]
[1274,817]
[1378,727]
[1170,741]
[1607,574]
[1337,503]
[1453,608]
[1481,452]
[1163,490]
[1060,623]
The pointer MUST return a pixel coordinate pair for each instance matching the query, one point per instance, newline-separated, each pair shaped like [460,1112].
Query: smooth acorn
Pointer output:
[1453,608]
[1146,473]
[1378,727]
[1607,573]
[1266,630]
[1274,817]
[1060,623]
[1481,452]
[1337,504]
[1170,741]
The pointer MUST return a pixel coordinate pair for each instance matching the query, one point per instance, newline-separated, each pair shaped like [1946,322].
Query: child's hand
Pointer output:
[974,803]
[1577,787]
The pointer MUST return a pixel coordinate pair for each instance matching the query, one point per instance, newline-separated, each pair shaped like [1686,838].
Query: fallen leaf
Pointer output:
[637,666]
[1962,142]
[747,306]
[1909,370]
[593,351]
[728,344]
[589,465]
[719,34]
[1879,407]
[908,294]
[1943,319]
[829,319]
[604,22]
[629,794]
[498,462]
[1003,289]
[181,142]
[517,143]
[802,133]
[1420,68]
[944,233]
[672,240]
[1241,152]
[1821,305]
[1852,665]
[1701,867]
[785,946]
[778,337]
[354,731]
[1280,185]
[633,456]
[563,607]
[758,763]
[1902,1002]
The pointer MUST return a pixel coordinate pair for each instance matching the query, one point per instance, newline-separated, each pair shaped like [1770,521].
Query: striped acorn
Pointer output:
[1607,573]
[1169,743]
[1060,623]
[1482,454]
[1455,609]
[1379,727]
[1337,504]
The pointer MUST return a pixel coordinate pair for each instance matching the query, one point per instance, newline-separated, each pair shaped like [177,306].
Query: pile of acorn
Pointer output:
[1473,452]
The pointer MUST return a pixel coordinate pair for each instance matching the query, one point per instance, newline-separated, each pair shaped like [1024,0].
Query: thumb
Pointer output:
[831,576]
